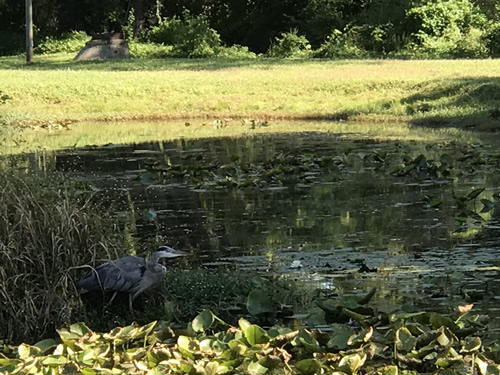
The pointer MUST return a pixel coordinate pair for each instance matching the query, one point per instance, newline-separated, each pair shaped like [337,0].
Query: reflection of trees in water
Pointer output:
[365,209]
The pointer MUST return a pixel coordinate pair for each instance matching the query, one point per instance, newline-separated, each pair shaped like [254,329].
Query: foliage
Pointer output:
[235,52]
[71,42]
[47,228]
[341,45]
[149,50]
[253,24]
[449,28]
[290,44]
[190,36]
[493,39]
[408,342]
[183,293]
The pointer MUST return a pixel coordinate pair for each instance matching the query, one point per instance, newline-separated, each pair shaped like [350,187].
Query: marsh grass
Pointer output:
[46,233]
[444,92]
[185,292]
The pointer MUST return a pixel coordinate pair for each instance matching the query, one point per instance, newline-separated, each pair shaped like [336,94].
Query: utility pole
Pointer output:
[29,31]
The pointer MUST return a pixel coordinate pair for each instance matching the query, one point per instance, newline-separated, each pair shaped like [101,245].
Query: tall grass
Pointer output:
[46,231]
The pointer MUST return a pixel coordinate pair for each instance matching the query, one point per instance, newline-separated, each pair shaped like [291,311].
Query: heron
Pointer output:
[130,274]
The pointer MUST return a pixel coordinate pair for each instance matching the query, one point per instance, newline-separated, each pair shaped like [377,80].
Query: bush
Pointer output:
[290,44]
[46,229]
[190,36]
[149,50]
[72,42]
[342,45]
[492,39]
[450,28]
[236,52]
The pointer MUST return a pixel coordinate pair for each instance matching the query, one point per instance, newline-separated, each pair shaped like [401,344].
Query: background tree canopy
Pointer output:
[444,28]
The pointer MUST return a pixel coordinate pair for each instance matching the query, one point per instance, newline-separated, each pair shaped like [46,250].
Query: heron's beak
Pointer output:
[173,253]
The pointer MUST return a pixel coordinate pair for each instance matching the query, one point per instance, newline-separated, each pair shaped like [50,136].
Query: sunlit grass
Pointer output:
[55,88]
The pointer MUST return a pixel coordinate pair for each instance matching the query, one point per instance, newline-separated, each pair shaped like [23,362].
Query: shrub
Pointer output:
[236,52]
[290,44]
[72,42]
[492,39]
[46,229]
[449,28]
[342,45]
[149,50]
[190,36]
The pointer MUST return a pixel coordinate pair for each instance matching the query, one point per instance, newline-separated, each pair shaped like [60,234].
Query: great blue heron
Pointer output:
[130,274]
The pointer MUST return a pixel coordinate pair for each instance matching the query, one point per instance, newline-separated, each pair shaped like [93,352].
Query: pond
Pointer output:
[333,206]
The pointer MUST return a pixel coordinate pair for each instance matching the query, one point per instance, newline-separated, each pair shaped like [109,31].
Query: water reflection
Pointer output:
[322,232]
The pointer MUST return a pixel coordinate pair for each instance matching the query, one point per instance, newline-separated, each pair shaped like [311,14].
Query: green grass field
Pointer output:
[459,93]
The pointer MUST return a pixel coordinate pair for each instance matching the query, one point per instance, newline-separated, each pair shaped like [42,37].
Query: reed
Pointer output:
[47,231]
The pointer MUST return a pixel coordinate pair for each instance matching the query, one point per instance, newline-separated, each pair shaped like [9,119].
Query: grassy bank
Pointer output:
[461,93]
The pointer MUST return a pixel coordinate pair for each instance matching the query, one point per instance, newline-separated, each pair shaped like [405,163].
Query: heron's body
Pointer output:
[131,274]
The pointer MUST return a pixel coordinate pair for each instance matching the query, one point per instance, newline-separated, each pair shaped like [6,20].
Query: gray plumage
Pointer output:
[130,274]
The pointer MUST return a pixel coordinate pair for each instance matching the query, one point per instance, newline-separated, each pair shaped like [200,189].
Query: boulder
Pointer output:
[105,46]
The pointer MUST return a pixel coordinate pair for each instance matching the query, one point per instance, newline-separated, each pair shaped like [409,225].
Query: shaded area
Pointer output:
[478,98]
[159,64]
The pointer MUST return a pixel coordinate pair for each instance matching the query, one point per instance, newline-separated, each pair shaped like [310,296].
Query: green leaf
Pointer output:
[187,345]
[438,321]
[471,344]
[360,338]
[304,338]
[203,321]
[367,297]
[25,351]
[244,324]
[475,193]
[354,315]
[308,366]
[55,360]
[80,329]
[258,302]
[405,341]
[255,335]
[352,362]
[436,202]
[256,368]
[406,316]
[144,330]
[45,345]
[488,205]
[88,371]
[341,334]
[388,370]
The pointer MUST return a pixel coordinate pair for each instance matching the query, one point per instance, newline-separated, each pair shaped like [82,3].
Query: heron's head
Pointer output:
[168,252]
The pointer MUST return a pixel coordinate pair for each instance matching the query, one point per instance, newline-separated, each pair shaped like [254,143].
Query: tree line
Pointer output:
[330,28]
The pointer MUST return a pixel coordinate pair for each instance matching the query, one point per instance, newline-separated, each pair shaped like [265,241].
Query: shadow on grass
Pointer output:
[470,103]
[53,62]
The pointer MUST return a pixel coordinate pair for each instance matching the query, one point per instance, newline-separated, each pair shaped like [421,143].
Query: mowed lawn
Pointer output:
[434,92]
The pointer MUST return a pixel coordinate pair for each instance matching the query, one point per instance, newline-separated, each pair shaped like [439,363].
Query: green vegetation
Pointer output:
[409,343]
[351,28]
[57,90]
[48,228]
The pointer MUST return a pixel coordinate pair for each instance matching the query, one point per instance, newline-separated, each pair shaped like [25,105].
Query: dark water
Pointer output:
[322,230]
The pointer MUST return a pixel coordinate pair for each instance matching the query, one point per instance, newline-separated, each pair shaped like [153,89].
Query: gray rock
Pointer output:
[104,46]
